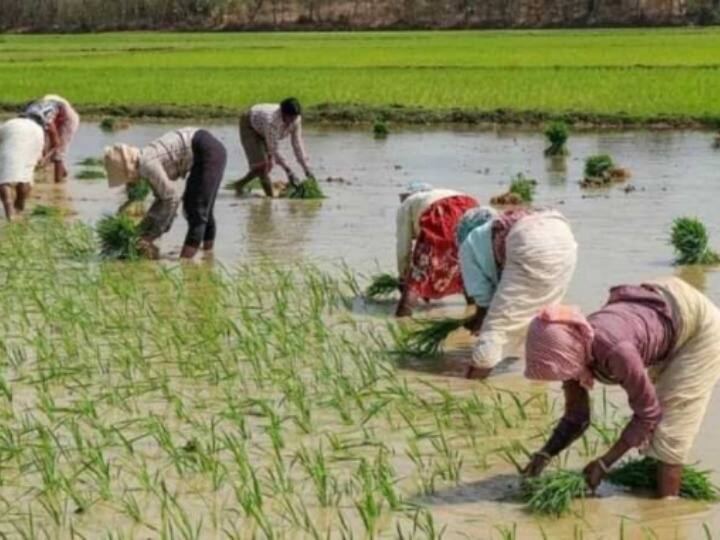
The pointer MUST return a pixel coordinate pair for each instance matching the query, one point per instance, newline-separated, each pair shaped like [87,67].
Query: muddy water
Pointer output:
[623,237]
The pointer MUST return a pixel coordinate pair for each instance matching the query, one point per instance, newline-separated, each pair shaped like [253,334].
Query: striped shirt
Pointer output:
[267,120]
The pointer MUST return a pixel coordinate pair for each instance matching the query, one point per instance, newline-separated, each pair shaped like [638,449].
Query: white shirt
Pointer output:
[267,120]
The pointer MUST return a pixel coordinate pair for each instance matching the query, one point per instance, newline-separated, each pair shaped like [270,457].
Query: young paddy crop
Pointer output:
[184,401]
[657,74]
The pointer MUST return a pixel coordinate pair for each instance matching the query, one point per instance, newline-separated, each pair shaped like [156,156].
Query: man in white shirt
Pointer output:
[261,129]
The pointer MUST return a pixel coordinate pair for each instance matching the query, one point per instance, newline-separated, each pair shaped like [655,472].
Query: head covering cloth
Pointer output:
[559,346]
[471,220]
[122,164]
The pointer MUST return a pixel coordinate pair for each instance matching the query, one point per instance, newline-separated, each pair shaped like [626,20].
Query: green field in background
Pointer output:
[641,73]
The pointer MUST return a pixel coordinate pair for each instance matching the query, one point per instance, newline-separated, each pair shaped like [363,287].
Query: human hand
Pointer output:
[148,249]
[293,179]
[594,473]
[536,466]
[477,373]
[309,174]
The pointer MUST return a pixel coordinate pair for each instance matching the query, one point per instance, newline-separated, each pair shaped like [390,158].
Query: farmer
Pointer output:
[190,152]
[261,129]
[55,112]
[661,343]
[512,264]
[428,269]
[22,141]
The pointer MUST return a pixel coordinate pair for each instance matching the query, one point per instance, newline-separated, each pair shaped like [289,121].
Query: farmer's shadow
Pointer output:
[497,488]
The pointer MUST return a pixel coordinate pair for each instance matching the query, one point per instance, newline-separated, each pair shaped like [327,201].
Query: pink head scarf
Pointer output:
[558,346]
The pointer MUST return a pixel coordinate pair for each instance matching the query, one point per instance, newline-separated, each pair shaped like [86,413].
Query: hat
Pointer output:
[121,164]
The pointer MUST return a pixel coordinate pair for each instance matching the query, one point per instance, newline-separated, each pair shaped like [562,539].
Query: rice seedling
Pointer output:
[113,123]
[425,338]
[307,189]
[553,493]
[521,191]
[600,170]
[382,285]
[690,239]
[381,129]
[119,237]
[557,134]
[91,162]
[642,474]
[44,211]
[90,174]
[138,191]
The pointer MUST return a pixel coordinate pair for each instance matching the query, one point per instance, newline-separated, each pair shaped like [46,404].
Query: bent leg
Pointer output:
[22,191]
[6,198]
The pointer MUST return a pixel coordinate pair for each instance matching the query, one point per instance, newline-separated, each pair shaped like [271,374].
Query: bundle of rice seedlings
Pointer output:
[597,166]
[553,493]
[522,191]
[690,240]
[90,174]
[308,189]
[91,162]
[113,123]
[557,135]
[119,236]
[427,338]
[138,191]
[380,129]
[642,474]
[42,210]
[382,285]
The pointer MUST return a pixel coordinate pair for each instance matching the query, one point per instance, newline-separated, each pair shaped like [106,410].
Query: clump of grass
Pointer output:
[427,338]
[382,285]
[381,129]
[600,170]
[91,162]
[553,493]
[42,210]
[119,236]
[642,474]
[308,189]
[90,174]
[690,240]
[557,135]
[113,123]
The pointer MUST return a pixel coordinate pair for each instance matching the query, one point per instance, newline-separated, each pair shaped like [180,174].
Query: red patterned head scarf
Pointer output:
[558,346]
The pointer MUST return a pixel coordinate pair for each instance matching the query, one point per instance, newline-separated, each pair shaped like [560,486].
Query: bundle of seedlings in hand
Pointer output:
[600,170]
[119,237]
[308,189]
[136,193]
[557,135]
[553,493]
[380,129]
[382,285]
[642,474]
[522,191]
[427,339]
[690,240]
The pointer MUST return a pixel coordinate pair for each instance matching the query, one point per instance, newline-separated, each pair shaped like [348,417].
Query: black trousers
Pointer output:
[209,160]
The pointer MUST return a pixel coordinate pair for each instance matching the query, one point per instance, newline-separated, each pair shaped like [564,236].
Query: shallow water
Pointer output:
[623,237]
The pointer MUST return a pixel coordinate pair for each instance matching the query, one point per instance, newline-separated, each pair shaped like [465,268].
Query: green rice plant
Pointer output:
[426,338]
[138,191]
[523,187]
[553,493]
[557,135]
[307,189]
[113,123]
[91,162]
[41,210]
[90,174]
[382,285]
[381,129]
[690,239]
[598,166]
[119,237]
[642,474]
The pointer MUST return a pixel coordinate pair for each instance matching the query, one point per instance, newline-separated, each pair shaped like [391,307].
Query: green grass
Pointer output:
[637,73]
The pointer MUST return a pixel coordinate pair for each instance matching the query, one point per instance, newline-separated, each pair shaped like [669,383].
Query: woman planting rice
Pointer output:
[661,343]
[55,112]
[188,151]
[21,148]
[430,269]
[261,129]
[512,264]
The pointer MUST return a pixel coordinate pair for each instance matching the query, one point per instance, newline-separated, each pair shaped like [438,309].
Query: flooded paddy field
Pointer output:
[252,395]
